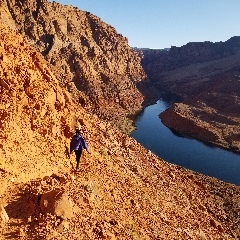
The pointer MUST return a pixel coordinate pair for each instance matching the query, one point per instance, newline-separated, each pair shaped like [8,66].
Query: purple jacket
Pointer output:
[78,143]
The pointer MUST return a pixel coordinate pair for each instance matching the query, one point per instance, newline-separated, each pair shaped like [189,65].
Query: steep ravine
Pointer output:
[123,191]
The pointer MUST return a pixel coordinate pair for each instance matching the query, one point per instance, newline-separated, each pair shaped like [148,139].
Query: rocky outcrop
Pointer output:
[205,77]
[33,107]
[122,190]
[88,56]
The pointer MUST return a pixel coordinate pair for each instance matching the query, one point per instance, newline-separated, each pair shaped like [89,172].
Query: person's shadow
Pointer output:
[67,153]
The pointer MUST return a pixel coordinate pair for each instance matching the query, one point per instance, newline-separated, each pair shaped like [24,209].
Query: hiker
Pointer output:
[77,145]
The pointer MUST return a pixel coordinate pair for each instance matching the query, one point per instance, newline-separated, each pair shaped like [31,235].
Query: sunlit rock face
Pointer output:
[88,56]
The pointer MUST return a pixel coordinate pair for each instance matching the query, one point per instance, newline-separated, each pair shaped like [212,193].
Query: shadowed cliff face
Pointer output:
[157,62]
[88,56]
[123,191]
[206,77]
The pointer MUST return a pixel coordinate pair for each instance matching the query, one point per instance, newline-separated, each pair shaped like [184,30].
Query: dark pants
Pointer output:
[78,154]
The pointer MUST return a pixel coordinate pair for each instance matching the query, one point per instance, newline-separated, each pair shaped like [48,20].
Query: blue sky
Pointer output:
[166,23]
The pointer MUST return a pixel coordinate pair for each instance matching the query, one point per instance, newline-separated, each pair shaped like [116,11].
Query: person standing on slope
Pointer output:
[77,144]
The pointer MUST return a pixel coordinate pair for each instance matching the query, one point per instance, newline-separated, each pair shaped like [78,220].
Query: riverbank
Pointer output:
[203,123]
[184,151]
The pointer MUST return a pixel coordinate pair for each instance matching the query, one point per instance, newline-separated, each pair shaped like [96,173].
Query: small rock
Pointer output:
[113,222]
[220,228]
[29,219]
[3,214]
[4,84]
[108,235]
[213,223]
[63,226]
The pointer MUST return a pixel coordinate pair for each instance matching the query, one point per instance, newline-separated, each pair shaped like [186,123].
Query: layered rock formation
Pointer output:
[206,78]
[88,56]
[156,62]
[123,191]
[212,116]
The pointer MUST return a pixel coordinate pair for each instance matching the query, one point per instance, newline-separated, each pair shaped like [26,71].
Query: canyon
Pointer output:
[204,80]
[123,191]
[104,74]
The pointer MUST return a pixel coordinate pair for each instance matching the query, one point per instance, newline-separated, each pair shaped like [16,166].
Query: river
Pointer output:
[184,151]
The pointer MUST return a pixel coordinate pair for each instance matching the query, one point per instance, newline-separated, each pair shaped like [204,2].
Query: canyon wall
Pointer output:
[157,61]
[88,56]
[205,79]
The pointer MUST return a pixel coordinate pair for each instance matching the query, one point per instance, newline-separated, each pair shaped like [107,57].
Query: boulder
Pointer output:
[57,202]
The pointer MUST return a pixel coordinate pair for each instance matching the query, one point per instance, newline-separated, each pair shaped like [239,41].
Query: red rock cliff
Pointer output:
[88,56]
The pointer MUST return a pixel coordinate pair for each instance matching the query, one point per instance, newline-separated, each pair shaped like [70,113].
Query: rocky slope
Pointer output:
[123,191]
[88,56]
[205,77]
